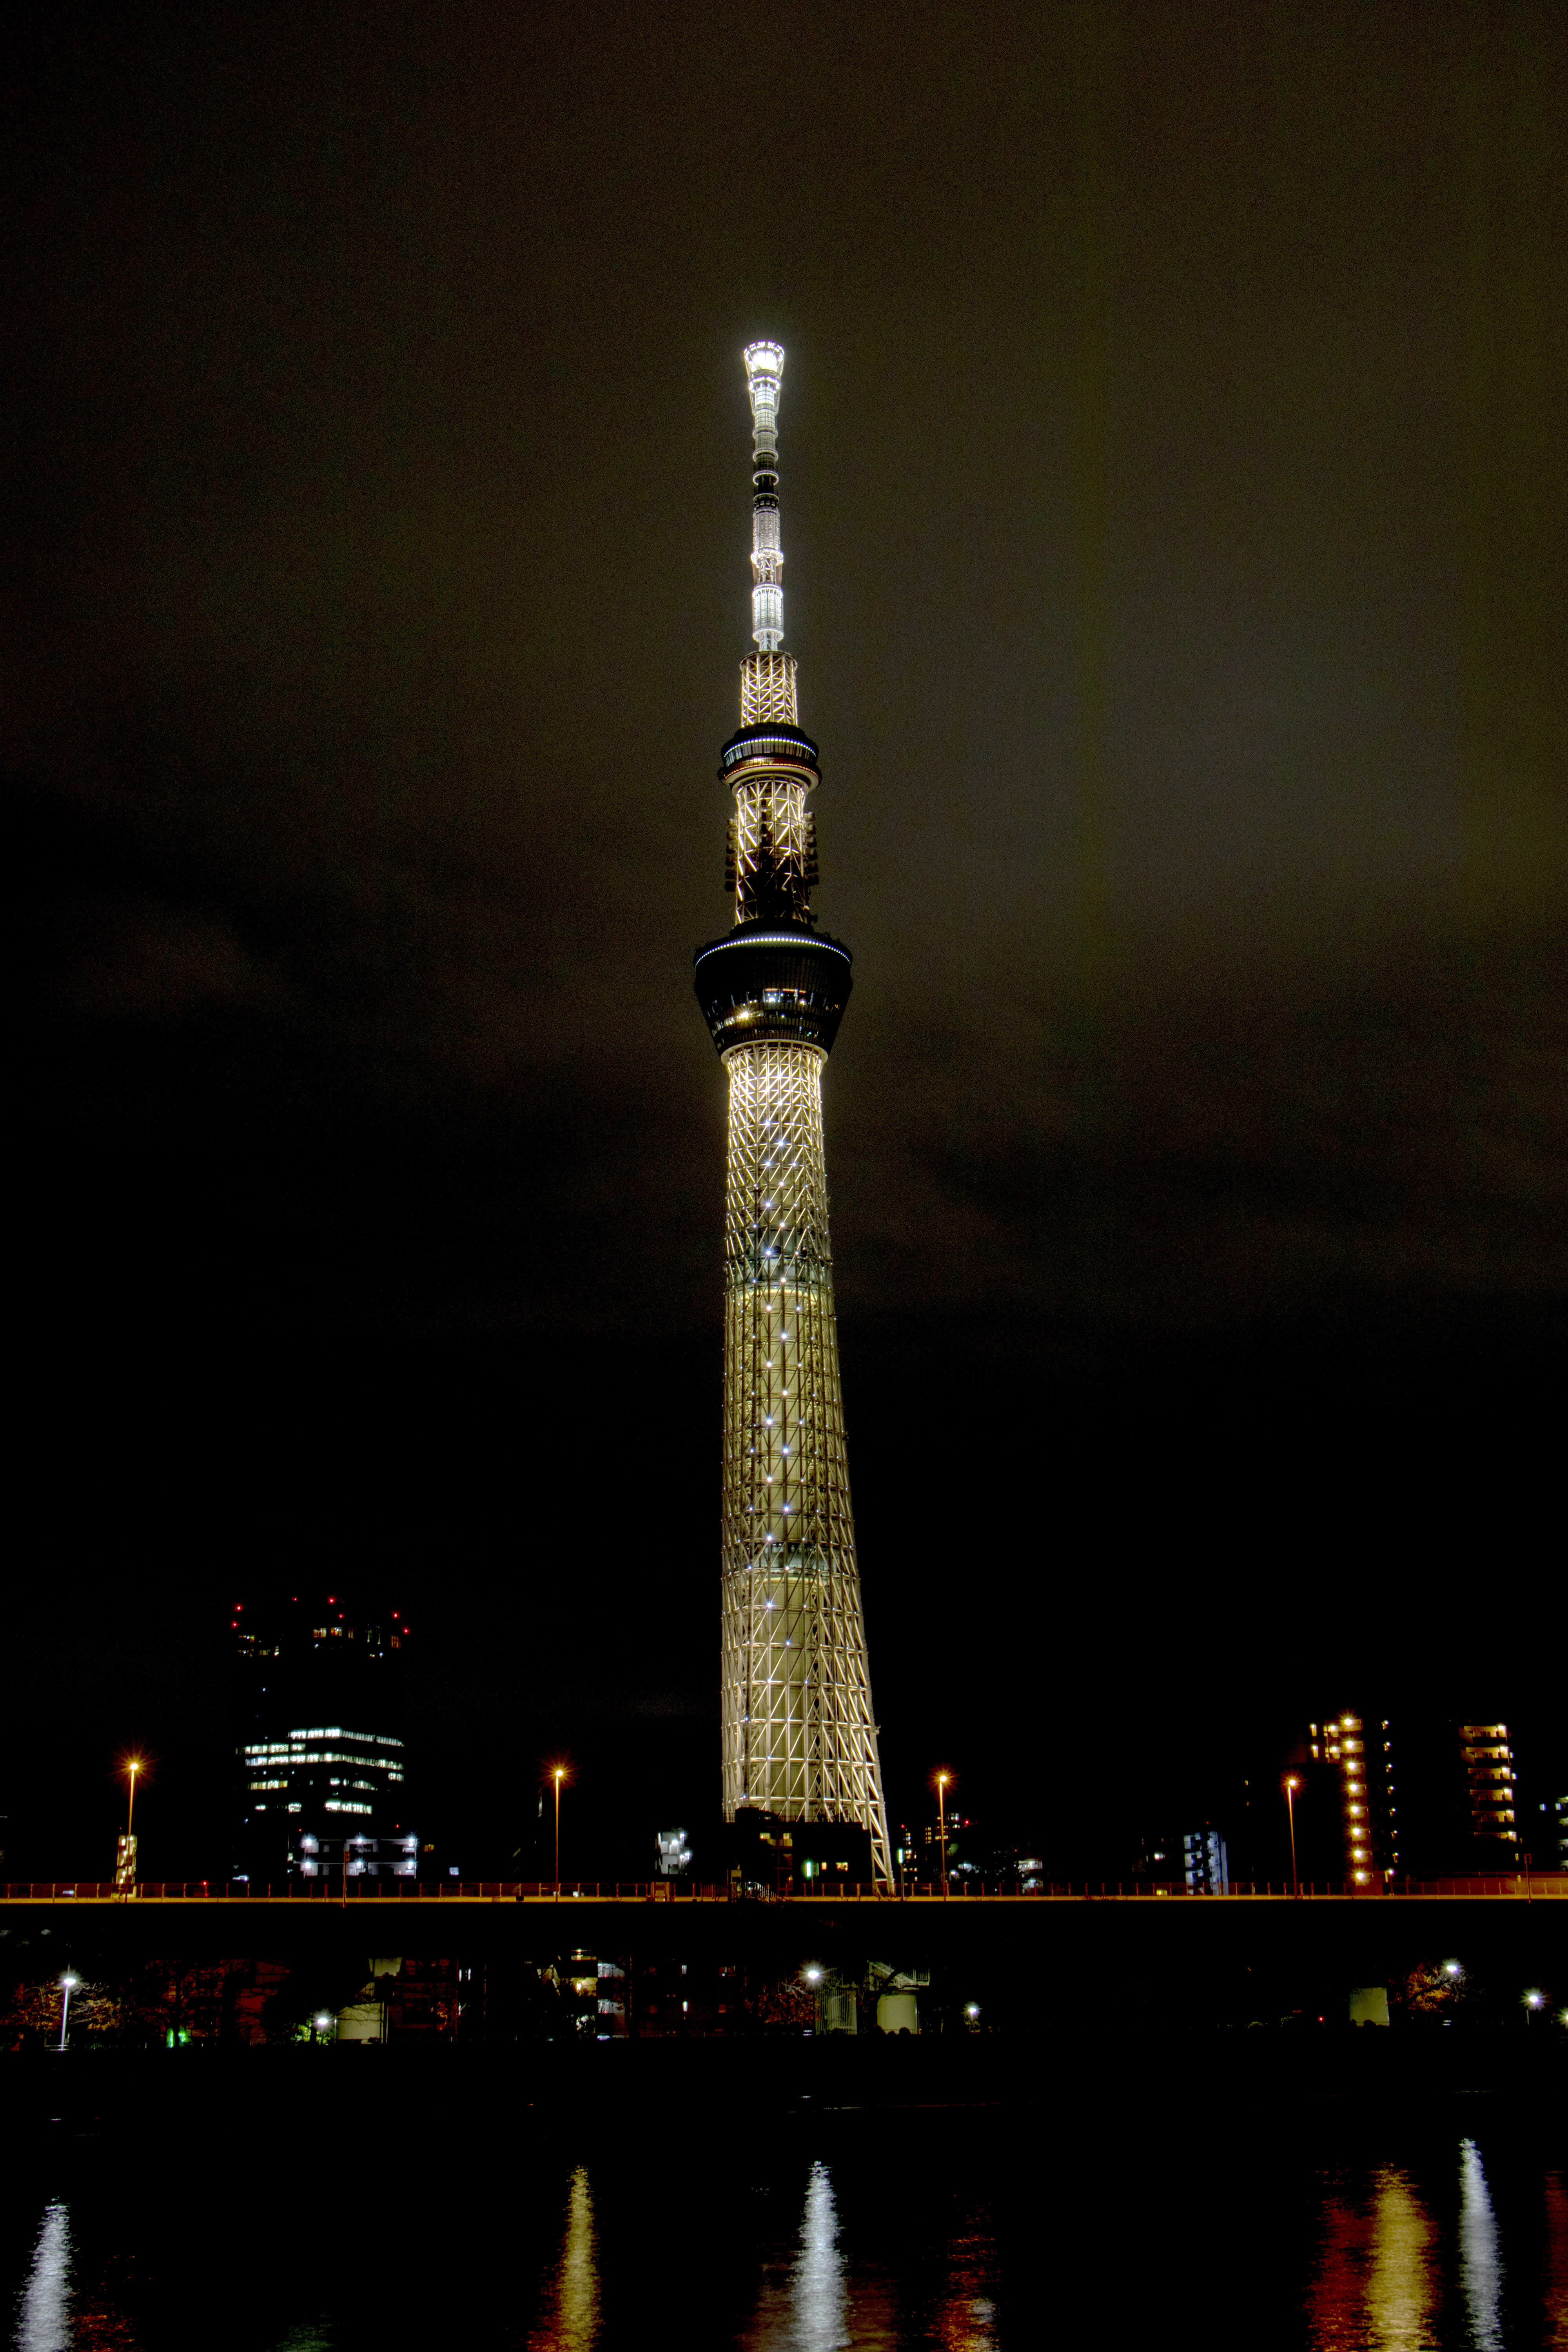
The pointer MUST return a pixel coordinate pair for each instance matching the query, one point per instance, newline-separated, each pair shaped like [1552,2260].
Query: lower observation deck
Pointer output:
[773,984]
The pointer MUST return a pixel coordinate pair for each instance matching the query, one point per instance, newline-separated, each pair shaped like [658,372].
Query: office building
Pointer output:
[321,1756]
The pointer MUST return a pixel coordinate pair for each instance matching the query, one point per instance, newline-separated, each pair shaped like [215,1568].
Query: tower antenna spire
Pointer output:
[764,372]
[767,677]
[799,1737]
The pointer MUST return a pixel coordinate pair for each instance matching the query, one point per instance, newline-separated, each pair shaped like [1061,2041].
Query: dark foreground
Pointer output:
[1092,2073]
[1321,2191]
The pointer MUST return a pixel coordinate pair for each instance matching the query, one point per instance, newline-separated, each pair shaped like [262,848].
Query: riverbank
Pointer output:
[366,2090]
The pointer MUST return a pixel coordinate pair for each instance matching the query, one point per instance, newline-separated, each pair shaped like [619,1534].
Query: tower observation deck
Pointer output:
[799,1739]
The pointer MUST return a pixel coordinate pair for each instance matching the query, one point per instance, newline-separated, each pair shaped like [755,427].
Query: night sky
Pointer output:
[1174,485]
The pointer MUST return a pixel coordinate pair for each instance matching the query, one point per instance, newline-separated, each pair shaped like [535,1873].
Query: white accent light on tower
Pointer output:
[764,370]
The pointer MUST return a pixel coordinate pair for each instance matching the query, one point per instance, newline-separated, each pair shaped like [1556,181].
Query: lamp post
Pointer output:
[68,1986]
[941,1780]
[558,1775]
[125,1860]
[1292,1785]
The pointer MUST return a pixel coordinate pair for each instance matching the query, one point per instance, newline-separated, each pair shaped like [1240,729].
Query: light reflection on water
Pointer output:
[570,2320]
[816,2288]
[44,2320]
[859,2250]
[964,2319]
[1400,2289]
[1554,2279]
[1373,2286]
[1385,2265]
[1479,2270]
[801,2300]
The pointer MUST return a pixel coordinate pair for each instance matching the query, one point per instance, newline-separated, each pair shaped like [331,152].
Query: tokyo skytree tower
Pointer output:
[799,1737]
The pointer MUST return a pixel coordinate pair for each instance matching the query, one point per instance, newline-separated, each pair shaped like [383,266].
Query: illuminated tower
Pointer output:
[798,1734]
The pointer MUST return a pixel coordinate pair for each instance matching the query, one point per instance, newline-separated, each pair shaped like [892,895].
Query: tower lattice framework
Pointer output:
[799,1736]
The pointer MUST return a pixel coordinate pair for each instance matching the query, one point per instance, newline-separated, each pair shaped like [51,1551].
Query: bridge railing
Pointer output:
[1534,1886]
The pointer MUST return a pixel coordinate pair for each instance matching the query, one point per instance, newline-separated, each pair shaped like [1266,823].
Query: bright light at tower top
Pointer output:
[764,366]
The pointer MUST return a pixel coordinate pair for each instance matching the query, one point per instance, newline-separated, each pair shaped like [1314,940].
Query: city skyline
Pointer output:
[1220,1818]
[1176,512]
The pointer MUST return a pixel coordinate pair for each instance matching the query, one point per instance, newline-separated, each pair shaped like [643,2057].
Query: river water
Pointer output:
[961,2232]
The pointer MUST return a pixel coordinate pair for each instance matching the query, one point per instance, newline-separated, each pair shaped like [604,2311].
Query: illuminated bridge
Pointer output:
[297,1893]
[1064,1950]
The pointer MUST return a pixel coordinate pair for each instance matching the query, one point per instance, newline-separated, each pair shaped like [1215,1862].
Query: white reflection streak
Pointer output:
[817,2289]
[45,2322]
[1480,2274]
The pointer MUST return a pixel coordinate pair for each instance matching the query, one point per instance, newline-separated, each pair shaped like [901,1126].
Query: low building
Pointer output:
[672,1853]
[764,1853]
[355,1854]
[1206,1864]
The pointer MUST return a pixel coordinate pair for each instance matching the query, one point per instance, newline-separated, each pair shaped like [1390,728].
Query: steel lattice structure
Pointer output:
[799,1737]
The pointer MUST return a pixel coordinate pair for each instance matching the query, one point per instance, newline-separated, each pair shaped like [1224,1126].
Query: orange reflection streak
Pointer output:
[1374,2289]
[965,2319]
[1554,2283]
[571,2321]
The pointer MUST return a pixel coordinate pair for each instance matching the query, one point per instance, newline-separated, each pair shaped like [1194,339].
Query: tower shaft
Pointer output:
[799,1739]
[798,1734]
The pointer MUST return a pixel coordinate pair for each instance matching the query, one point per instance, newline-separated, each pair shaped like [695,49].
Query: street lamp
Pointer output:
[941,1780]
[125,1860]
[558,1775]
[1532,2001]
[68,1986]
[1292,1785]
